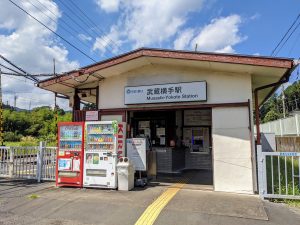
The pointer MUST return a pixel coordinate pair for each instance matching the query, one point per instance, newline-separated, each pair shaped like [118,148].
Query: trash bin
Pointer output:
[125,174]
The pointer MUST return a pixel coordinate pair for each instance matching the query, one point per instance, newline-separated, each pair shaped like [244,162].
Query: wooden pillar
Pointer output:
[76,104]
[97,97]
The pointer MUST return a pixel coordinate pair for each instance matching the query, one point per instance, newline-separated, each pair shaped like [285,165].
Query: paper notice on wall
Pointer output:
[76,165]
[162,141]
[144,124]
[160,131]
[147,132]
[91,115]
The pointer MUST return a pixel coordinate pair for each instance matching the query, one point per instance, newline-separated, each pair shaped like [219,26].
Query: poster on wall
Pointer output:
[197,117]
[91,116]
[163,93]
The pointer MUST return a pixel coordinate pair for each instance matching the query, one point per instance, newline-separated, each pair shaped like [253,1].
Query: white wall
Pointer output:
[221,87]
[232,150]
[281,127]
[231,137]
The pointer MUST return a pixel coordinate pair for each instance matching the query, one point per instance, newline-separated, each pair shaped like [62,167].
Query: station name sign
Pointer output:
[164,93]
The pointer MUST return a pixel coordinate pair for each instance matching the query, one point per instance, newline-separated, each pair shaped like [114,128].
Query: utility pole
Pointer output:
[55,107]
[1,115]
[15,101]
[283,101]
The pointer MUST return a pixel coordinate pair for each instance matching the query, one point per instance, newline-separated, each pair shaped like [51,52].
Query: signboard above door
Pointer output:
[164,93]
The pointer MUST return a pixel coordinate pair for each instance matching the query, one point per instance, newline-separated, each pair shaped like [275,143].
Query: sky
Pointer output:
[105,28]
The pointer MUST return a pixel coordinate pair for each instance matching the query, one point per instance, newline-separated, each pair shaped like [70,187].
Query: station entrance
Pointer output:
[180,143]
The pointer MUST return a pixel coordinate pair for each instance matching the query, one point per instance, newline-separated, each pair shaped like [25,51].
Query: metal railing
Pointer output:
[48,163]
[4,161]
[36,162]
[279,174]
[24,162]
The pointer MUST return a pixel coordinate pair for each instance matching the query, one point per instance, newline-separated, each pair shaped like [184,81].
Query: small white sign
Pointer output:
[161,93]
[91,116]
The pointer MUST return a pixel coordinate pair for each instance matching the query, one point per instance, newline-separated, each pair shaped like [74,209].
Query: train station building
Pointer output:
[196,108]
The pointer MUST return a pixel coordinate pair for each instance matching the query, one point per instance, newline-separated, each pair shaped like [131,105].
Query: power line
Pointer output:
[16,78]
[288,37]
[72,11]
[8,68]
[93,23]
[27,75]
[62,26]
[53,31]
[295,21]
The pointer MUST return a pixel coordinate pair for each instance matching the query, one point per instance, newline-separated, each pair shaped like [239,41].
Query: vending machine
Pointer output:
[105,142]
[69,166]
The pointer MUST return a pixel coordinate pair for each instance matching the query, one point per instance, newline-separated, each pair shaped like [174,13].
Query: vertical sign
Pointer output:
[121,139]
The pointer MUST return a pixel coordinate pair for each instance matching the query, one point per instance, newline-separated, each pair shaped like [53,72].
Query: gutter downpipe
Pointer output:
[284,79]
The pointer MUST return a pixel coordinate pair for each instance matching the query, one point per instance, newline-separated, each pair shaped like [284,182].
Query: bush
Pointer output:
[29,141]
[12,136]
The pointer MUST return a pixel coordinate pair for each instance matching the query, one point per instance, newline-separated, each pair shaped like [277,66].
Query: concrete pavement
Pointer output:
[92,206]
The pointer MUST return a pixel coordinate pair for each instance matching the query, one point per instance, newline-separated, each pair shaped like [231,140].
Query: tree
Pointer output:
[270,116]
[39,123]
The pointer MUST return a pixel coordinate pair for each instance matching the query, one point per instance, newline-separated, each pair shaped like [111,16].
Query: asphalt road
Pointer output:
[30,203]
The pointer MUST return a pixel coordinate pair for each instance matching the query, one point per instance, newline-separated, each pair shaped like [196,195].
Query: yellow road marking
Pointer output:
[152,212]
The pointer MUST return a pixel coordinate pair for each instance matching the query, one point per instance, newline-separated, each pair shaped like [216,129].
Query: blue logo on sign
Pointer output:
[135,91]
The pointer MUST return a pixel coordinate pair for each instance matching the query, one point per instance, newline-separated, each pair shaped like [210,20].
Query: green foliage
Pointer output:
[272,109]
[280,176]
[11,136]
[31,126]
[90,106]
[271,115]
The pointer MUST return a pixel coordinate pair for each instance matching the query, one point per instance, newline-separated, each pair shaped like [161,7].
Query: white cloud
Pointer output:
[84,37]
[146,23]
[32,47]
[108,5]
[255,16]
[184,39]
[110,41]
[220,35]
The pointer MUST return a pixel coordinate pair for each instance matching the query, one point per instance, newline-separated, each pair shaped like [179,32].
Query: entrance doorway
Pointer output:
[180,141]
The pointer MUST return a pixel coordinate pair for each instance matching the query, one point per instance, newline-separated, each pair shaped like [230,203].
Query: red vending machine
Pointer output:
[69,162]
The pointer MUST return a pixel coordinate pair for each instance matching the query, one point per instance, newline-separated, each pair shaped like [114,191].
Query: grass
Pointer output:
[33,196]
[280,176]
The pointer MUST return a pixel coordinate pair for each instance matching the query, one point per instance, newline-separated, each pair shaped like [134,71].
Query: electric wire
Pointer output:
[9,68]
[65,40]
[61,26]
[295,21]
[288,37]
[19,68]
[72,11]
[93,23]
[15,78]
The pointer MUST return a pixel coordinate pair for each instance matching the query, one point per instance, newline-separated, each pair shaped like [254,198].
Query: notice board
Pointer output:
[136,152]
